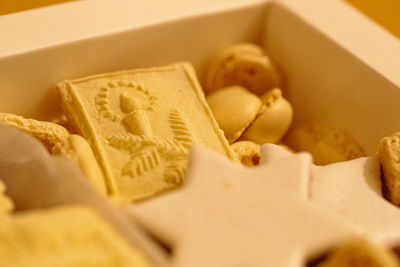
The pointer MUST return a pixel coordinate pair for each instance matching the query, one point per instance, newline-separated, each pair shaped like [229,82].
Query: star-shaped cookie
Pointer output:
[229,215]
[352,189]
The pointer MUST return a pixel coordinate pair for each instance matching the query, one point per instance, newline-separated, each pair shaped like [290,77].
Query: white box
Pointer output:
[339,66]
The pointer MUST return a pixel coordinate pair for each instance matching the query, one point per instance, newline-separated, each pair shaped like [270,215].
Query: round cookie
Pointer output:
[389,157]
[248,152]
[273,120]
[359,252]
[243,64]
[234,108]
[326,144]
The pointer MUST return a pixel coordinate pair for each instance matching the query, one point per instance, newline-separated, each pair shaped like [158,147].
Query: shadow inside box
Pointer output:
[326,82]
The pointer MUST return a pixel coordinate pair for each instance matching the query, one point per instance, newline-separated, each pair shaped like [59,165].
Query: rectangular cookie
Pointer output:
[141,123]
[68,236]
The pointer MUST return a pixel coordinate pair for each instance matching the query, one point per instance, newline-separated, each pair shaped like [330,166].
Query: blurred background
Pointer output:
[384,12]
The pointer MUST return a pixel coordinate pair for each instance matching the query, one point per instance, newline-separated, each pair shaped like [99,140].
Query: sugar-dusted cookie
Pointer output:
[389,157]
[360,253]
[140,124]
[70,236]
[229,215]
[353,189]
[326,144]
[77,149]
[47,132]
[243,64]
[6,205]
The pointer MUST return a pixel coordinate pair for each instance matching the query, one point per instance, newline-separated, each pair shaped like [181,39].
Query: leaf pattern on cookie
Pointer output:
[181,132]
[148,153]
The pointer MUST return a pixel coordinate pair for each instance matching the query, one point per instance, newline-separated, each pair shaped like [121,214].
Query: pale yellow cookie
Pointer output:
[360,253]
[6,205]
[234,108]
[243,64]
[389,157]
[272,121]
[77,149]
[141,123]
[70,236]
[326,144]
[48,133]
[248,152]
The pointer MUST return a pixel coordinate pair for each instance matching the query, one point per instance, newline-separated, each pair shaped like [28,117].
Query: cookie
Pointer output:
[352,189]
[38,181]
[68,236]
[140,124]
[272,121]
[360,252]
[243,64]
[326,144]
[248,152]
[234,108]
[77,149]
[48,133]
[6,205]
[229,215]
[389,157]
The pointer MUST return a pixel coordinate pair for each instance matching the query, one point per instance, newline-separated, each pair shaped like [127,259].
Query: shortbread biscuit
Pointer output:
[326,144]
[234,108]
[70,236]
[48,133]
[77,149]
[243,64]
[248,152]
[6,205]
[362,253]
[272,121]
[389,157]
[140,124]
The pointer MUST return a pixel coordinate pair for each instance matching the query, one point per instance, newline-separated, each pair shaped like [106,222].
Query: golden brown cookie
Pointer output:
[360,253]
[77,149]
[248,152]
[141,123]
[243,64]
[234,108]
[48,133]
[389,157]
[326,144]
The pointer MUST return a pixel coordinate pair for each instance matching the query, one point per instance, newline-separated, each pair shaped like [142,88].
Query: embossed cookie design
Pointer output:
[140,124]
